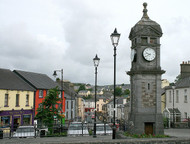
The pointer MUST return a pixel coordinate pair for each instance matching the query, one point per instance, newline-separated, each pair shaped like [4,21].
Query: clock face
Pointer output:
[133,52]
[149,54]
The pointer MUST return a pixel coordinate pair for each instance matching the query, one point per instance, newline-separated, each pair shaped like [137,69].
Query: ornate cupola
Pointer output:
[145,26]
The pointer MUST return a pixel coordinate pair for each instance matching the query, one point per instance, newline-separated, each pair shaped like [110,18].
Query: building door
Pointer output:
[16,123]
[149,128]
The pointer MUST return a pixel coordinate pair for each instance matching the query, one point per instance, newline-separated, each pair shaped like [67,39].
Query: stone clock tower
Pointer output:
[145,77]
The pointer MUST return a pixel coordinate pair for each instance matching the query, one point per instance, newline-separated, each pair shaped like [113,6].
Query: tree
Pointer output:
[126,92]
[82,87]
[47,111]
[118,91]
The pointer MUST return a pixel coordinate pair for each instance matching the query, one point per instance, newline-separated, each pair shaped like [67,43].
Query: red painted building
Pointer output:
[42,83]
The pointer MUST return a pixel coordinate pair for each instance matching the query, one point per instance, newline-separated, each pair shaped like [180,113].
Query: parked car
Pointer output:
[103,129]
[77,128]
[24,131]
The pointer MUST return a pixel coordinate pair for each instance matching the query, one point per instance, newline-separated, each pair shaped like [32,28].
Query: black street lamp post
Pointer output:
[115,40]
[173,87]
[96,63]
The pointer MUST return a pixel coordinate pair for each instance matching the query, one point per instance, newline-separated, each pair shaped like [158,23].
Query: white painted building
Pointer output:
[180,98]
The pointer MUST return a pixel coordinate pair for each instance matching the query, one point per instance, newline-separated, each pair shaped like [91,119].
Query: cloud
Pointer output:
[45,35]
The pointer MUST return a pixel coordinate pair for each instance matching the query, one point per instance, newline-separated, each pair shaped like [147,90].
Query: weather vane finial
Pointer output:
[145,15]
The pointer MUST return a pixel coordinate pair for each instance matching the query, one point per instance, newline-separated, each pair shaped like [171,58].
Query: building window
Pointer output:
[47,92]
[17,100]
[59,107]
[148,86]
[27,100]
[153,40]
[60,94]
[185,113]
[144,40]
[40,105]
[40,93]
[185,96]
[170,96]
[71,104]
[185,99]
[67,115]
[6,104]
[71,114]
[67,104]
[177,96]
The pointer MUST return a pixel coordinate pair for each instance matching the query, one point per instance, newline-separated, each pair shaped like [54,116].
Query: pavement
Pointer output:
[175,133]
[180,133]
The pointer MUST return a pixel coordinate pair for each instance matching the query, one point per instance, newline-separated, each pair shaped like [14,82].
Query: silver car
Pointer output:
[24,131]
[77,128]
[103,129]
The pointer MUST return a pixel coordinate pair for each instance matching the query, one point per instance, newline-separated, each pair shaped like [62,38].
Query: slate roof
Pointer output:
[10,81]
[185,82]
[176,110]
[37,80]
[119,100]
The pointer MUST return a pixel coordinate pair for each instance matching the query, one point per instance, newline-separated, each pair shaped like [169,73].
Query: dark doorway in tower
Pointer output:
[149,128]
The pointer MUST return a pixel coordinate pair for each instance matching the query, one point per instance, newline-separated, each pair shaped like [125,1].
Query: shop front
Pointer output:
[16,118]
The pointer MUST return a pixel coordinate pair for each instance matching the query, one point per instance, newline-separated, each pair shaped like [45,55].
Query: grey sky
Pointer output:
[44,35]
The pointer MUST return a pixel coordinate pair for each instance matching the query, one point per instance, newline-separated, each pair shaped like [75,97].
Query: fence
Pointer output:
[68,129]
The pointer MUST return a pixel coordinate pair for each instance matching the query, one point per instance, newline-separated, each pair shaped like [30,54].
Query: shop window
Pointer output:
[5,121]
[6,104]
[40,93]
[17,100]
[27,100]
[26,119]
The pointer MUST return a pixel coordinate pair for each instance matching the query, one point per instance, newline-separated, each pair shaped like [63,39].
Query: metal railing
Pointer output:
[68,129]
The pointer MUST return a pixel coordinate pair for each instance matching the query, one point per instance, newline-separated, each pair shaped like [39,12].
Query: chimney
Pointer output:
[185,69]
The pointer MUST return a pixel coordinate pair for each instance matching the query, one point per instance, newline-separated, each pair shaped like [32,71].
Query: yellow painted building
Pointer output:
[100,103]
[17,100]
[80,108]
[165,83]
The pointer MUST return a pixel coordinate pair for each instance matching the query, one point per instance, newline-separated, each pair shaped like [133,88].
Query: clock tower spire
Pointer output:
[145,76]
